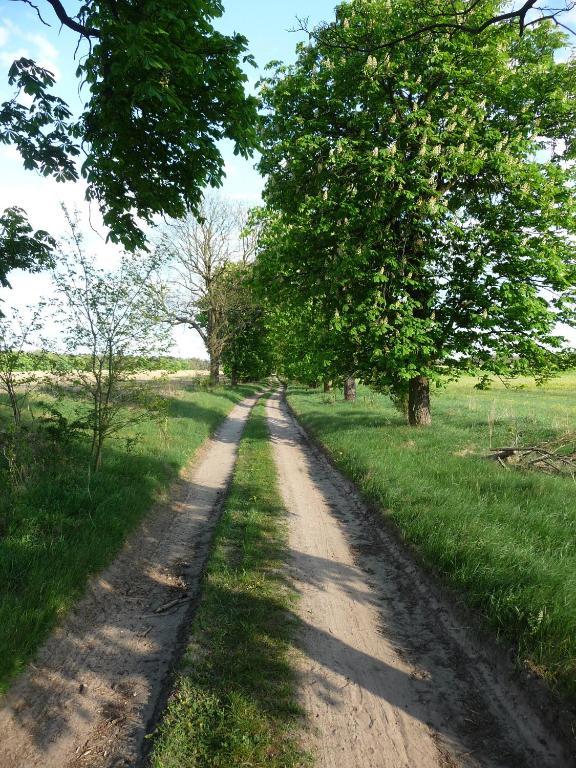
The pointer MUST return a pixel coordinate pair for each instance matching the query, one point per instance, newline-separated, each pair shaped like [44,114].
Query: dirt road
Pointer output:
[389,677]
[96,683]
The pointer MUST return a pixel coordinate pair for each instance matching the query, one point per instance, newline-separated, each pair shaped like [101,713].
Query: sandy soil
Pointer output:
[93,690]
[390,678]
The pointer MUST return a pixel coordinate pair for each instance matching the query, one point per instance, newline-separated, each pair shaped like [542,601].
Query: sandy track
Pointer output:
[91,693]
[389,677]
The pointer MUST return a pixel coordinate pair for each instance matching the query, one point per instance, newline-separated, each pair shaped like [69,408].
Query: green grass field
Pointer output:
[234,702]
[60,525]
[505,538]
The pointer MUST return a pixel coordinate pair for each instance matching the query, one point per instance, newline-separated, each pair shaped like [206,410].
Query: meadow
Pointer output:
[504,537]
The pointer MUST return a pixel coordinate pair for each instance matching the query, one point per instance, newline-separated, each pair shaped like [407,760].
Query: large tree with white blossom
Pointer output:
[424,196]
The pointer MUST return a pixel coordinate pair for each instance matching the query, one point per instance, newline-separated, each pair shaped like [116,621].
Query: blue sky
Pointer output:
[267,25]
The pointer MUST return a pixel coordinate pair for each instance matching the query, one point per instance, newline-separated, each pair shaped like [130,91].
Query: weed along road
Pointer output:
[389,677]
[90,695]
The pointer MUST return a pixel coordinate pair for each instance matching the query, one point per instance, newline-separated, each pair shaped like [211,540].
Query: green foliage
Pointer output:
[163,87]
[20,246]
[504,538]
[40,131]
[419,200]
[173,364]
[107,315]
[302,348]
[59,525]
[234,702]
[44,360]
[247,354]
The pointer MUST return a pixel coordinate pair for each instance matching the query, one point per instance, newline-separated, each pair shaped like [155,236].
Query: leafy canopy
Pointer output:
[162,86]
[20,246]
[247,354]
[422,199]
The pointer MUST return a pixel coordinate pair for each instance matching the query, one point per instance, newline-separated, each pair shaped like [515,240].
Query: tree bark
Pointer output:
[234,378]
[419,414]
[350,389]
[14,404]
[97,453]
[214,370]
[327,385]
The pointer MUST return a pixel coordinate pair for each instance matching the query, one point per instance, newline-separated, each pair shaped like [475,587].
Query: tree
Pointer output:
[20,246]
[198,291]
[17,333]
[162,87]
[305,345]
[425,199]
[247,355]
[433,16]
[108,318]
[309,341]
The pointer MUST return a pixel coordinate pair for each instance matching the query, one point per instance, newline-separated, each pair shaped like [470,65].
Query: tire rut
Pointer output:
[90,696]
[390,677]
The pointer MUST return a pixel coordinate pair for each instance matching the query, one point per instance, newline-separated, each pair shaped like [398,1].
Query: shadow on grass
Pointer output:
[241,637]
[64,524]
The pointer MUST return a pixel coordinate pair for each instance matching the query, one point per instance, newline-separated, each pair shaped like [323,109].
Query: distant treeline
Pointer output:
[49,361]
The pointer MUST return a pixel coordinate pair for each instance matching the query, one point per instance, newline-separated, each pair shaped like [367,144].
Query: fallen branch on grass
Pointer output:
[555,457]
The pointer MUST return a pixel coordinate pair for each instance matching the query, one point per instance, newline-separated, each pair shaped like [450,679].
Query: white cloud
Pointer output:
[32,46]
[7,57]
[44,46]
[10,26]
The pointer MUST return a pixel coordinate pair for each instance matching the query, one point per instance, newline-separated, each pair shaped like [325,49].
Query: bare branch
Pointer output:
[64,18]
[35,7]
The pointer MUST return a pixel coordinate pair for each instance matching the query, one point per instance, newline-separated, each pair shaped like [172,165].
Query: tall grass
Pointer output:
[505,538]
[60,524]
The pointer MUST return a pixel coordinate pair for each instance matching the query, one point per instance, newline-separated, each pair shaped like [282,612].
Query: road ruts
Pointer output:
[389,677]
[88,698]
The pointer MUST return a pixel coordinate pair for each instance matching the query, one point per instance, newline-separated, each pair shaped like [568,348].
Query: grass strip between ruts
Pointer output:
[234,701]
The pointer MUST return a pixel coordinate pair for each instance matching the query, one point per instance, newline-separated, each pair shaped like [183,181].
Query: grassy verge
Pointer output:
[506,539]
[58,525]
[233,703]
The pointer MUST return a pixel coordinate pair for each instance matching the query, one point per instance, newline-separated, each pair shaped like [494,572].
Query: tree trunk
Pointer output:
[97,454]
[214,370]
[350,389]
[234,378]
[14,404]
[419,402]
[327,385]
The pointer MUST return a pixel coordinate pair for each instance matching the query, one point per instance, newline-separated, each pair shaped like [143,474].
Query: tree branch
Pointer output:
[35,7]
[520,14]
[71,23]
[64,18]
